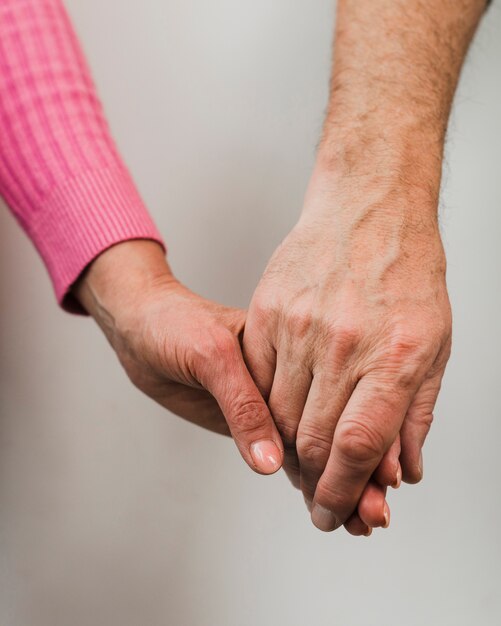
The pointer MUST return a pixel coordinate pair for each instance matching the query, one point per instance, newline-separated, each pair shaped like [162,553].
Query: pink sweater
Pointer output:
[60,172]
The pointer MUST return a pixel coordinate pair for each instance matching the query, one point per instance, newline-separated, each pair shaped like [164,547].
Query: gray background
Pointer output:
[113,512]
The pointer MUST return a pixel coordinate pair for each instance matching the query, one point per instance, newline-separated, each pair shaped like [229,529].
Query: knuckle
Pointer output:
[210,353]
[427,420]
[404,362]
[339,340]
[262,309]
[345,337]
[217,343]
[424,421]
[404,346]
[299,323]
[360,444]
[247,416]
[417,343]
[444,329]
[313,449]
[222,344]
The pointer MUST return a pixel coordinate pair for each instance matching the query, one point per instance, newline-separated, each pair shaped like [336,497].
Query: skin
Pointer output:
[349,330]
[180,349]
[183,351]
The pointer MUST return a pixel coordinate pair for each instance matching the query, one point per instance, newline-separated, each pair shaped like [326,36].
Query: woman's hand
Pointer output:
[178,348]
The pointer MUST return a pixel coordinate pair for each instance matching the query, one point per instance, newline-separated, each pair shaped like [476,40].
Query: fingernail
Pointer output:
[266,456]
[386,515]
[307,501]
[368,533]
[420,464]
[398,481]
[323,518]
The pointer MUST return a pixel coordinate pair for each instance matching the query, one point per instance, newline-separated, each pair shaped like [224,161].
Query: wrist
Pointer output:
[119,279]
[382,153]
[394,175]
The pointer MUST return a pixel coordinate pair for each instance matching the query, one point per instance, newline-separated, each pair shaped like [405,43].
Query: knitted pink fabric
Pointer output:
[60,172]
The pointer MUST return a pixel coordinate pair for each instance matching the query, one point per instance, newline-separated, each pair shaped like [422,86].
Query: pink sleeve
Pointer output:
[60,172]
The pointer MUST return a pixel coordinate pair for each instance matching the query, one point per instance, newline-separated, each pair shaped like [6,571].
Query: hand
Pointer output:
[178,348]
[347,337]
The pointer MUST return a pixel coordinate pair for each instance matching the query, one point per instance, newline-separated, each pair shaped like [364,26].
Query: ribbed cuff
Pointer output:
[82,218]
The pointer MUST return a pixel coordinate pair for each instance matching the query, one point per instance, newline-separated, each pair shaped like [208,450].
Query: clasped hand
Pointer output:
[335,369]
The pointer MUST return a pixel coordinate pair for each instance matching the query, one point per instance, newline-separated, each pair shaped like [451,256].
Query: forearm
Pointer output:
[396,66]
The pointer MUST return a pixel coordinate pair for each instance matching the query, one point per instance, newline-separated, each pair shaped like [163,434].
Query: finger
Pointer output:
[356,527]
[226,376]
[289,391]
[291,468]
[368,426]
[288,394]
[389,473]
[416,427]
[259,355]
[373,509]
[324,405]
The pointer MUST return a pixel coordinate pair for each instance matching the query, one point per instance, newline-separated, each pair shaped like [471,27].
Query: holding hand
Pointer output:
[347,336]
[180,349]
[183,351]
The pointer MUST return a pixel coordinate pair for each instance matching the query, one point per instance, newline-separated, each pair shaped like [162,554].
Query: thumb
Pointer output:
[227,378]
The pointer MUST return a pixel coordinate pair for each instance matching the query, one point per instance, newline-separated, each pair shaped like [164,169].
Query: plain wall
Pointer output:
[114,512]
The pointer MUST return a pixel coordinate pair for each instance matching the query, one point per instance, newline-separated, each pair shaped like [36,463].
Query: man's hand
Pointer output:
[349,330]
[178,348]
[348,335]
